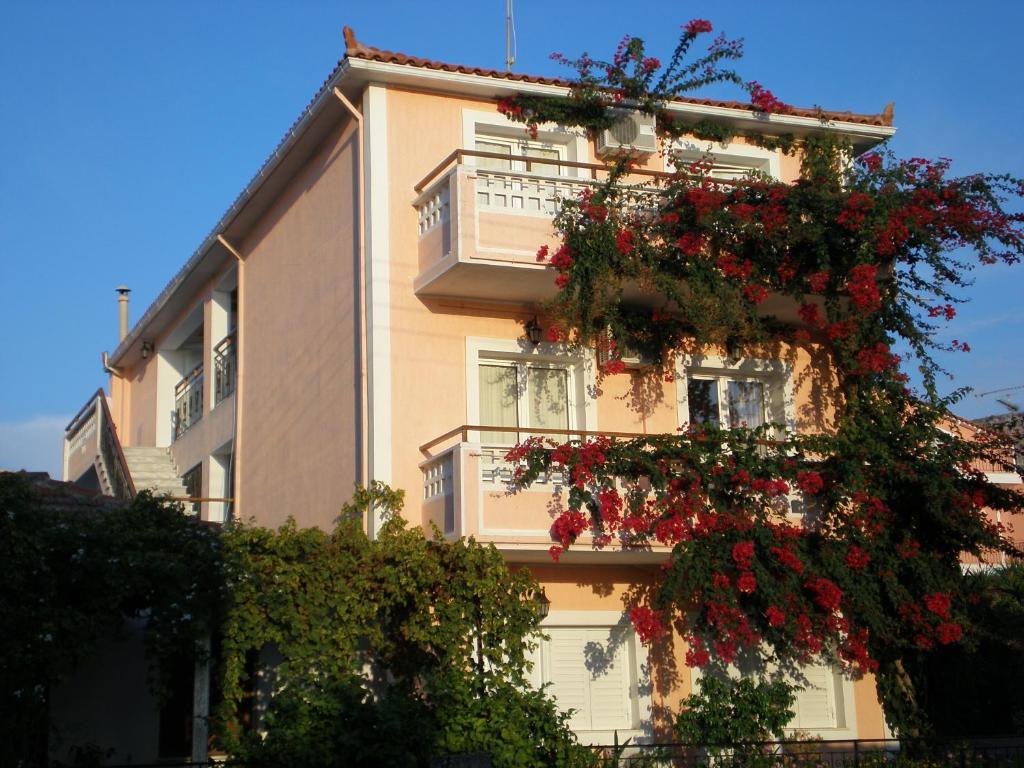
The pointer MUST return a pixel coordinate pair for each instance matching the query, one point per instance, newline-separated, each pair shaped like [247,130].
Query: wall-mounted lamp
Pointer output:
[732,349]
[147,348]
[543,604]
[533,331]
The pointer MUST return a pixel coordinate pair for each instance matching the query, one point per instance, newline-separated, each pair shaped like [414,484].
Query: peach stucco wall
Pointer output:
[428,392]
[299,386]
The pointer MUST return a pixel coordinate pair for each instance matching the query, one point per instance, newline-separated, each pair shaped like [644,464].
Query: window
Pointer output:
[729,162]
[816,705]
[594,669]
[522,394]
[730,394]
[721,401]
[521,148]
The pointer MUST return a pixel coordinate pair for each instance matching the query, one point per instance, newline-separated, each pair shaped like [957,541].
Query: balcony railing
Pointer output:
[479,228]
[225,368]
[188,402]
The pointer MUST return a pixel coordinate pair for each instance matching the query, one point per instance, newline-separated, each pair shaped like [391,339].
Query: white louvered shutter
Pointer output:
[815,704]
[602,697]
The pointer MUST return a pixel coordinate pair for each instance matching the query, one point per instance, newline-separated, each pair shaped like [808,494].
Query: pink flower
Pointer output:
[697,26]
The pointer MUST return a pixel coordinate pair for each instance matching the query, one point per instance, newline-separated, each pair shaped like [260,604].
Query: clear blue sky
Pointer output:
[129,127]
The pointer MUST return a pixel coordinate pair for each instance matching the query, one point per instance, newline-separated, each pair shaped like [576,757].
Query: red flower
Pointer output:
[788,558]
[696,655]
[871,161]
[555,552]
[853,215]
[755,293]
[876,359]
[624,241]
[743,553]
[776,617]
[697,26]
[562,258]
[568,526]
[949,633]
[746,583]
[542,253]
[691,243]
[764,100]
[650,64]
[818,281]
[826,594]
[857,558]
[647,624]
[553,334]
[938,603]
[863,288]
[810,314]
[810,482]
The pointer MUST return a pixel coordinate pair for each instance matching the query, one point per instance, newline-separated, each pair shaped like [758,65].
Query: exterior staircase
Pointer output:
[153,469]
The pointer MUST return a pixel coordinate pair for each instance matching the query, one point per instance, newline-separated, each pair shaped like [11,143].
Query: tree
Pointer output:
[387,651]
[73,569]
[871,253]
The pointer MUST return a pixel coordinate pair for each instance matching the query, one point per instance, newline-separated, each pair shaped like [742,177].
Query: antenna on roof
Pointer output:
[510,37]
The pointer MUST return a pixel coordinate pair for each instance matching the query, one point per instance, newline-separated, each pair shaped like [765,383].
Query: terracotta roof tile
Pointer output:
[357,50]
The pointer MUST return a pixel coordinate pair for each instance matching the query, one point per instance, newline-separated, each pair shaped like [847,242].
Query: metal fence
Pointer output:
[985,753]
[975,753]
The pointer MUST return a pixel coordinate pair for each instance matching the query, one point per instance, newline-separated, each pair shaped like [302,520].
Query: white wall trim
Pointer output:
[378,301]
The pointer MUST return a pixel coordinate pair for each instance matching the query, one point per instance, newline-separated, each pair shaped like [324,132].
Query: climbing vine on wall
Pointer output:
[856,258]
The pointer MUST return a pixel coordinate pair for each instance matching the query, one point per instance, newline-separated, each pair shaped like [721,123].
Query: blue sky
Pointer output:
[128,128]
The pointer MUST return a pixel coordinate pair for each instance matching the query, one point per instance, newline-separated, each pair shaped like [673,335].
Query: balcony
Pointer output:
[225,368]
[188,402]
[465,493]
[480,228]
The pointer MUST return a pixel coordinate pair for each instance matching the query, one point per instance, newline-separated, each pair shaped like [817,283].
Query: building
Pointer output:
[361,313]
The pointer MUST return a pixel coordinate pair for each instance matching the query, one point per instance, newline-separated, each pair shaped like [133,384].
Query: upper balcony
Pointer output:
[482,216]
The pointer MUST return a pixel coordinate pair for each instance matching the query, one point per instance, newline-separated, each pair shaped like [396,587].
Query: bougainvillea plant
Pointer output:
[867,255]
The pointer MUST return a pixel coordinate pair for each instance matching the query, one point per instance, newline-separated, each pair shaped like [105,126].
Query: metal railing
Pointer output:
[188,401]
[93,423]
[853,753]
[225,368]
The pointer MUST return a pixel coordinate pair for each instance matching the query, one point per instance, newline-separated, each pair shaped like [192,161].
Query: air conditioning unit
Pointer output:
[631,134]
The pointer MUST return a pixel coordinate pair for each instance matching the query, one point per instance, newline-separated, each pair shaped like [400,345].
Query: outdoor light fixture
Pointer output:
[533,331]
[543,604]
[147,347]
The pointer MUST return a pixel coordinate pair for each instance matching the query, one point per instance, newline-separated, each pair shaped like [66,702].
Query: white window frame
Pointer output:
[732,154]
[618,629]
[579,364]
[493,126]
[776,375]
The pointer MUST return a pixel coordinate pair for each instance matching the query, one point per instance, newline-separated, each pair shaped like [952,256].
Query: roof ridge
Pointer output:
[358,50]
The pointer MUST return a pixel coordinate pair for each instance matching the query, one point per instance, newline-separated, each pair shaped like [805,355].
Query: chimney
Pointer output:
[122,310]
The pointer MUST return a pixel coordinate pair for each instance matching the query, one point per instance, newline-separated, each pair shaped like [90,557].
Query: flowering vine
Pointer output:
[842,544]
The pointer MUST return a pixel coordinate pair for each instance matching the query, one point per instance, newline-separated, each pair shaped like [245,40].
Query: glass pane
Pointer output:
[702,398]
[746,404]
[547,154]
[548,393]
[499,398]
[494,163]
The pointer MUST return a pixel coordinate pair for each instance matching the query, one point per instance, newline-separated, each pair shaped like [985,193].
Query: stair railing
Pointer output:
[93,423]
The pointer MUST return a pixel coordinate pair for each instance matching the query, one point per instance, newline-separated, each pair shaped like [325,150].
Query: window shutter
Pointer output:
[602,698]
[815,704]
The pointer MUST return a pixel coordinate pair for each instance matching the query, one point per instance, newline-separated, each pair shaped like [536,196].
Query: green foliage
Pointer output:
[730,713]
[389,650]
[71,574]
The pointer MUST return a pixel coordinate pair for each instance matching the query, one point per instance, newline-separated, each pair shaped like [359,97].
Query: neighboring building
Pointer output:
[359,313]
